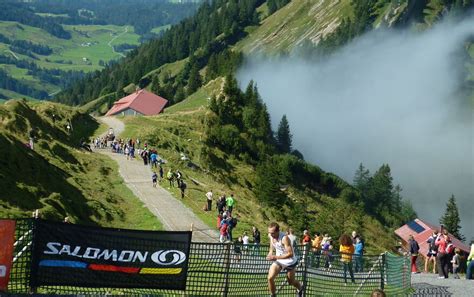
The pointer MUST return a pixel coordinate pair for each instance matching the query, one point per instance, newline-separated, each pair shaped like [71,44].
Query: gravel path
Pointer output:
[171,212]
[428,284]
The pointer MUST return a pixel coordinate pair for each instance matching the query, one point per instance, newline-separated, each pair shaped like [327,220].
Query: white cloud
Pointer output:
[388,97]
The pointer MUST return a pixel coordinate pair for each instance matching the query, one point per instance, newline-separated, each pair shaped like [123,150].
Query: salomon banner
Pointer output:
[74,255]
[7,239]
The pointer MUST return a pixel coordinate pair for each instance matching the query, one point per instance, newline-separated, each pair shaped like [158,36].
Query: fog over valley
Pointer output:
[388,97]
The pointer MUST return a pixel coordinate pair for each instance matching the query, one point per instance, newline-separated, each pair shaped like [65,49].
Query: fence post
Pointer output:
[306,258]
[382,271]
[227,268]
[33,261]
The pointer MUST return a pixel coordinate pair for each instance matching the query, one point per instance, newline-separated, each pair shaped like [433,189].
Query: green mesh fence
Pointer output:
[221,270]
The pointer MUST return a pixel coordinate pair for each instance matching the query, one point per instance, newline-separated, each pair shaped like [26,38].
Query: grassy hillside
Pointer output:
[88,50]
[180,130]
[298,21]
[58,177]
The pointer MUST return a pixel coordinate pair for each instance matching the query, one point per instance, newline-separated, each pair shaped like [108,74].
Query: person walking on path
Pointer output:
[170,177]
[442,259]
[347,249]
[161,172]
[209,200]
[182,187]
[230,202]
[414,249]
[154,178]
[283,260]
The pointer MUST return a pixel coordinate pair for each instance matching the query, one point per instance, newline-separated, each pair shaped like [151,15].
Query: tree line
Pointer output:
[56,77]
[143,15]
[214,27]
[20,12]
[9,83]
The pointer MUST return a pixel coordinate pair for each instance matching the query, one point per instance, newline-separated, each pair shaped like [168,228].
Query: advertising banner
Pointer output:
[74,255]
[7,239]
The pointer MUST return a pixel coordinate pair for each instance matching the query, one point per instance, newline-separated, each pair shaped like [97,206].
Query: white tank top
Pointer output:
[280,250]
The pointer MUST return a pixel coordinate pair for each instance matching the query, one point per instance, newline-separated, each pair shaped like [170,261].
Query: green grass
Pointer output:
[199,99]
[59,178]
[67,54]
[172,68]
[283,30]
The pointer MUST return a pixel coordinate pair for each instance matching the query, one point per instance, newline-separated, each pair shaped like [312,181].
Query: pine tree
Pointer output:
[451,218]
[361,179]
[155,85]
[195,80]
[284,136]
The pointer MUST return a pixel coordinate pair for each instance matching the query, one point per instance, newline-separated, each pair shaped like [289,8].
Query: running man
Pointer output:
[285,259]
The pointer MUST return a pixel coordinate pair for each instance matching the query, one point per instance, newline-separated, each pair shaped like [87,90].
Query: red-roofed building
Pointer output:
[421,231]
[140,102]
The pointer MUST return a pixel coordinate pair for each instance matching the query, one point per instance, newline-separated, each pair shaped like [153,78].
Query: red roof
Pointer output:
[141,101]
[421,231]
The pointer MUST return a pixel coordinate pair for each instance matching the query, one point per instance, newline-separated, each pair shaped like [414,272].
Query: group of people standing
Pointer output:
[442,254]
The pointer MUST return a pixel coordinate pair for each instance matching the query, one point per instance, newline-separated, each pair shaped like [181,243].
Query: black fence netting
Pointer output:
[216,269]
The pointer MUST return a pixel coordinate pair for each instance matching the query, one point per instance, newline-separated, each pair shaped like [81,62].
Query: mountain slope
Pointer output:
[58,177]
[295,23]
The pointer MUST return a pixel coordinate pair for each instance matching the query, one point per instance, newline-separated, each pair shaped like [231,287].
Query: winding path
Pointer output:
[115,37]
[171,212]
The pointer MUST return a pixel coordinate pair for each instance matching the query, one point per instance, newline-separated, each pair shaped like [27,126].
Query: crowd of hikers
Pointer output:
[442,255]
[131,149]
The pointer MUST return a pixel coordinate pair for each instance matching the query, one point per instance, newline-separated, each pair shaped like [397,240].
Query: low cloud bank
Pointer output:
[388,97]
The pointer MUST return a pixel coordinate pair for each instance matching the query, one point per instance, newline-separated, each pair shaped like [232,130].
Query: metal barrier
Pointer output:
[221,270]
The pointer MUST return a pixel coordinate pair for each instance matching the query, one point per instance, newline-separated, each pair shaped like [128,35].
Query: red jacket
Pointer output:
[442,242]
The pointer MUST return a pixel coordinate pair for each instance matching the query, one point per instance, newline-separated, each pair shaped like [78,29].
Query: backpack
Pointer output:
[433,247]
[233,222]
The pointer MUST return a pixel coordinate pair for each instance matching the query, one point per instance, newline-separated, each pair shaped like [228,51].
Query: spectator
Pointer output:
[230,202]
[245,241]
[291,237]
[223,231]
[256,240]
[316,244]
[442,258]
[470,262]
[432,251]
[354,236]
[456,261]
[179,177]
[154,178]
[238,250]
[221,204]
[161,172]
[209,200]
[414,249]
[306,238]
[182,187]
[347,249]
[326,250]
[359,255]
[170,177]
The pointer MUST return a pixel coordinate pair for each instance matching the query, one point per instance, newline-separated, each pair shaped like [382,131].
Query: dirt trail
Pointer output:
[172,213]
